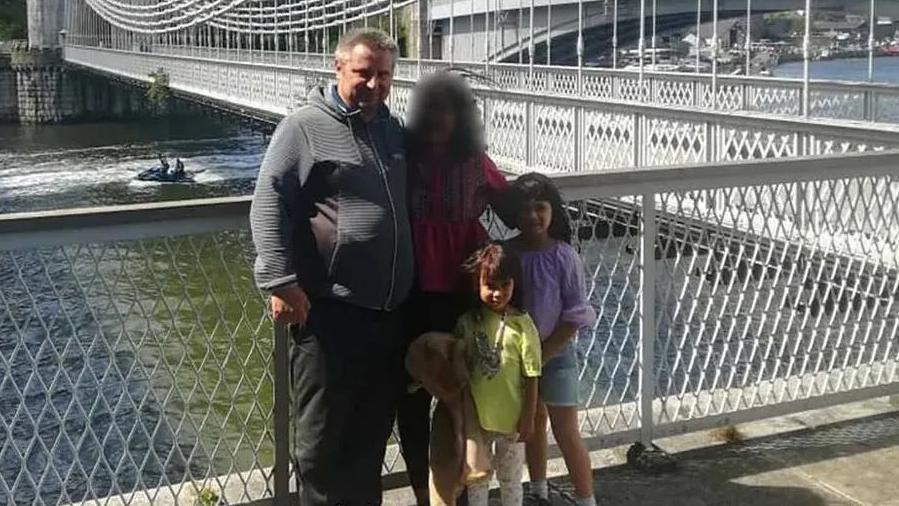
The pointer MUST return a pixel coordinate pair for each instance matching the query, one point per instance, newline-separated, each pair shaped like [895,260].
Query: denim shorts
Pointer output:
[559,383]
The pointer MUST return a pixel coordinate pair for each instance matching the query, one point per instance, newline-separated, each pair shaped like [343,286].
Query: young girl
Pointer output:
[556,298]
[451,183]
[504,362]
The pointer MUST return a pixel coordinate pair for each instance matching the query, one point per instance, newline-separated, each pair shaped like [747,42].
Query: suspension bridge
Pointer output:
[740,234]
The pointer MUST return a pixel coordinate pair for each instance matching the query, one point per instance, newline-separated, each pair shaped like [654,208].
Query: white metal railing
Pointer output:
[526,129]
[140,359]
[843,100]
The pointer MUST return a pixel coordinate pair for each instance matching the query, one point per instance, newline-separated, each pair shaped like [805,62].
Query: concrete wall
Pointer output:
[37,87]
[9,104]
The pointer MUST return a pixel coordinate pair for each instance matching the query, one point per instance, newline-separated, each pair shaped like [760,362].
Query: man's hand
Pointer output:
[290,305]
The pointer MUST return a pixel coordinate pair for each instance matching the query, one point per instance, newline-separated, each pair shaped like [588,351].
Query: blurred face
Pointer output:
[364,77]
[535,218]
[440,122]
[496,294]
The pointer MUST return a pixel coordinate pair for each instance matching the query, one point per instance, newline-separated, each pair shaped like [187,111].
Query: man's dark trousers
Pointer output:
[346,366]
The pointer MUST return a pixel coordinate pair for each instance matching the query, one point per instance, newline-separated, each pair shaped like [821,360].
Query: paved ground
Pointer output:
[846,455]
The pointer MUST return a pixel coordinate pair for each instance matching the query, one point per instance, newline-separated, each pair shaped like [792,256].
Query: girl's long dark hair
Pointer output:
[538,187]
[499,263]
[445,85]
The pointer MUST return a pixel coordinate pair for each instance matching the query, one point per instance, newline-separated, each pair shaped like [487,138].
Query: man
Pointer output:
[333,243]
[164,164]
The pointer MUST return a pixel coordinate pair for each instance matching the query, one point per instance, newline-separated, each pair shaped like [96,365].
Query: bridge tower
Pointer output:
[45,92]
[36,86]
[45,20]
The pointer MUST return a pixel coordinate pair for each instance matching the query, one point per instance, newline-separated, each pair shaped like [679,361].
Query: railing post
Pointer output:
[486,118]
[647,316]
[711,147]
[870,105]
[698,99]
[578,138]
[745,90]
[638,140]
[282,415]
[804,149]
[530,125]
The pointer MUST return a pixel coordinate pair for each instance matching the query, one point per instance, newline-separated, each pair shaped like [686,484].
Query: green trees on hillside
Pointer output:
[12,19]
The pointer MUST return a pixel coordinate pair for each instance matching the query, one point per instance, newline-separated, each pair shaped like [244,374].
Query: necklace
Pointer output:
[490,354]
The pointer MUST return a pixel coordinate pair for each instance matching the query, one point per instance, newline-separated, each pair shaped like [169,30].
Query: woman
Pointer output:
[451,183]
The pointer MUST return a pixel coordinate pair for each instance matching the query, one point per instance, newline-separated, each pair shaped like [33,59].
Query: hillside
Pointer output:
[12,19]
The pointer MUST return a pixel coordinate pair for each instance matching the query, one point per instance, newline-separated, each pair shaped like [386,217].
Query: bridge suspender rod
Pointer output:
[549,32]
[641,45]
[871,23]
[806,56]
[580,47]
[518,35]
[452,31]
[748,37]
[471,32]
[487,37]
[714,90]
[531,47]
[698,33]
[324,37]
[497,11]
[615,35]
[655,10]
[430,31]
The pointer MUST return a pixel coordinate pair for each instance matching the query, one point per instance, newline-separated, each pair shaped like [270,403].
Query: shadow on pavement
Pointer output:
[759,471]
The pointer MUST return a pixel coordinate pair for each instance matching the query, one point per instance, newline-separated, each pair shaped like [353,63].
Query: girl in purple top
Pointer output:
[555,296]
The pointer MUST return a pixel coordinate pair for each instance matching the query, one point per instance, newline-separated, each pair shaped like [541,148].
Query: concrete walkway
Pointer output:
[846,455]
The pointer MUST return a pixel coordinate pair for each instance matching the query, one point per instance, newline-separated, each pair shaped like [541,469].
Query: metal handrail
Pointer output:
[21,232]
[30,230]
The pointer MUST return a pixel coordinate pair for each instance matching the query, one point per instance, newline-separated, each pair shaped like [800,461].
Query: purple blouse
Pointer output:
[554,288]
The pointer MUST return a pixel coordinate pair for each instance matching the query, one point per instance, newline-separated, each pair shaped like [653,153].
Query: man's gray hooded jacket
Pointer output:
[329,210]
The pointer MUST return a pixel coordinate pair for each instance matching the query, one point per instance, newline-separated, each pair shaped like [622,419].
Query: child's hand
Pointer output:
[525,428]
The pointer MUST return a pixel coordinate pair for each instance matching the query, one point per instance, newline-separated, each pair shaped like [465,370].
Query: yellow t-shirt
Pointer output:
[502,351]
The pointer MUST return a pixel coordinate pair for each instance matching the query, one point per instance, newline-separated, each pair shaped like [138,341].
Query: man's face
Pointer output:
[364,77]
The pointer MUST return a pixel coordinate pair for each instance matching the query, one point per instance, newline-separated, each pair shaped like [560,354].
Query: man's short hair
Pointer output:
[373,38]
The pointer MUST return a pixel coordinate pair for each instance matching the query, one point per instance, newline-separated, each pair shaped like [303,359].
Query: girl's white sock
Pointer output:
[540,489]
[589,501]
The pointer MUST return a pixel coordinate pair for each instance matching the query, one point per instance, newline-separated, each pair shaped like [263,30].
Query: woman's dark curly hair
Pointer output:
[497,262]
[451,90]
[537,187]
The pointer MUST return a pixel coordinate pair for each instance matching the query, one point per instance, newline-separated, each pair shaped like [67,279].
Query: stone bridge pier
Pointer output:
[36,87]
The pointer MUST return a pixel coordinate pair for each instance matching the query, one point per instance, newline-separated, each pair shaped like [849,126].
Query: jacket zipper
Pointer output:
[383,172]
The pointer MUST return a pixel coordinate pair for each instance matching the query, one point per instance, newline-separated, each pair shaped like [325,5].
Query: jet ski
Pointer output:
[163,173]
[160,175]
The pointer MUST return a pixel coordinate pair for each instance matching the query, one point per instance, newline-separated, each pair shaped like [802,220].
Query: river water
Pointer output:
[886,70]
[55,167]
[132,364]
[159,360]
